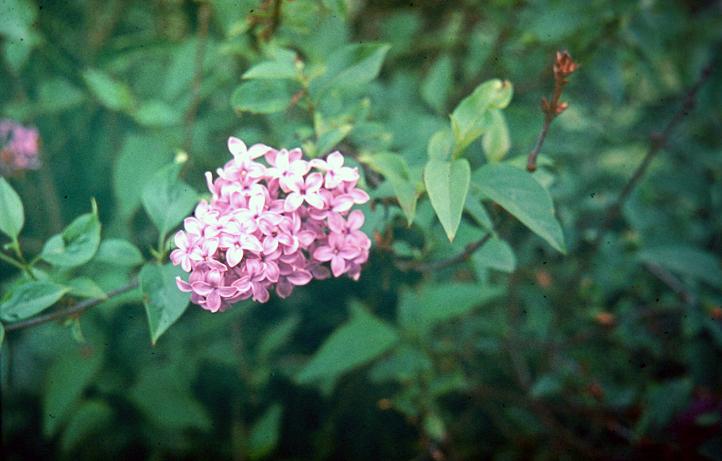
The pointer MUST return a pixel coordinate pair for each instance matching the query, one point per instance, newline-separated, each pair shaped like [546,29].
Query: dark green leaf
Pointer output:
[264,433]
[262,96]
[84,287]
[164,302]
[29,299]
[395,169]
[686,260]
[521,195]
[358,341]
[350,66]
[112,94]
[91,418]
[167,199]
[118,252]
[76,245]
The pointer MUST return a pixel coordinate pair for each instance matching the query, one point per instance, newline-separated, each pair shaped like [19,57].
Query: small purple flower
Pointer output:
[19,147]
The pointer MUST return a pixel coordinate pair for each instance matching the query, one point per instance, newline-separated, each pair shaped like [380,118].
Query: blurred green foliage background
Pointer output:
[609,351]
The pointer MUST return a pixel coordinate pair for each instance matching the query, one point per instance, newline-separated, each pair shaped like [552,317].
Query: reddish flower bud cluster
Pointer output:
[19,147]
[278,226]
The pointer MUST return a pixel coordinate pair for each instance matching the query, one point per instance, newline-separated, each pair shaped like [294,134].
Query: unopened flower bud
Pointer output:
[564,65]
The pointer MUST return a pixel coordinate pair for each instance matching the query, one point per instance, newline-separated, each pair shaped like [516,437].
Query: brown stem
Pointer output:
[444,263]
[531,160]
[658,142]
[204,15]
[75,309]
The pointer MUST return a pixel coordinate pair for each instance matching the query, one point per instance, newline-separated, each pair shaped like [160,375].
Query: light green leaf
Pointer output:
[76,245]
[118,252]
[496,141]
[358,341]
[350,67]
[396,171]
[71,373]
[282,66]
[112,94]
[12,214]
[447,183]
[164,302]
[16,16]
[329,139]
[262,96]
[84,287]
[264,433]
[164,397]
[686,260]
[29,299]
[139,159]
[437,84]
[167,199]
[477,211]
[2,335]
[421,310]
[495,254]
[521,195]
[471,118]
[155,113]
[91,418]
[440,145]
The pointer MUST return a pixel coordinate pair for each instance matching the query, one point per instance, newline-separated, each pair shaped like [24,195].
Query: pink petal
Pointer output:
[258,150]
[234,255]
[338,266]
[336,223]
[356,219]
[300,277]
[213,301]
[202,288]
[323,254]
[334,160]
[183,285]
[315,200]
[293,201]
[314,181]
[236,146]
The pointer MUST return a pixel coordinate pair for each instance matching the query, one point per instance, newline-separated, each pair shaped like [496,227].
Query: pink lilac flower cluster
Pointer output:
[277,224]
[19,147]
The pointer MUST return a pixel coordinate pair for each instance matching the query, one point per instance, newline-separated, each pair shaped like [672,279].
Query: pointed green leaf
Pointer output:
[164,302]
[111,93]
[471,118]
[262,96]
[355,343]
[396,171]
[84,287]
[91,418]
[76,245]
[521,195]
[29,299]
[437,84]
[12,214]
[350,66]
[264,433]
[496,141]
[447,183]
[66,380]
[118,252]
[167,199]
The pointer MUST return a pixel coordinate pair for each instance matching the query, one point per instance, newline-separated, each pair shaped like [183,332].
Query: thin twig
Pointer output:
[658,141]
[563,67]
[204,15]
[444,263]
[76,309]
[672,282]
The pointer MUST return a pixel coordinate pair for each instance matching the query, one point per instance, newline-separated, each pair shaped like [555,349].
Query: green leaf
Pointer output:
[139,159]
[164,397]
[476,209]
[155,113]
[12,214]
[436,86]
[262,96]
[358,341]
[84,287]
[440,145]
[396,171]
[57,95]
[2,335]
[112,94]
[264,433]
[329,139]
[685,260]
[276,337]
[350,67]
[282,66]
[76,245]
[167,199]
[495,254]
[521,195]
[91,418]
[496,141]
[118,252]
[471,118]
[423,309]
[447,183]
[29,299]
[164,302]
[69,375]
